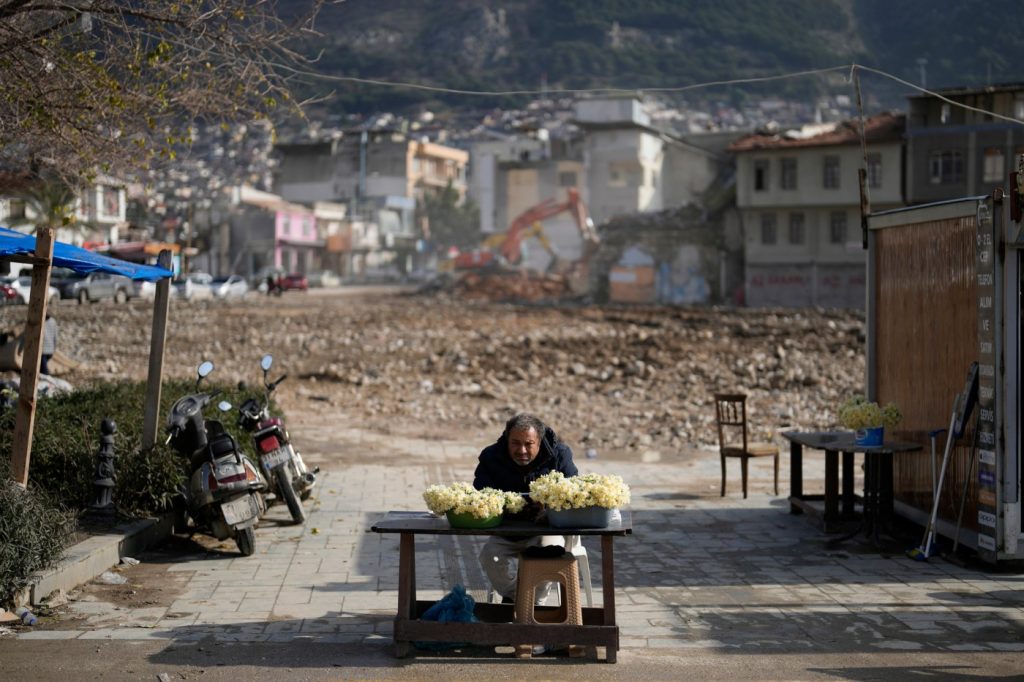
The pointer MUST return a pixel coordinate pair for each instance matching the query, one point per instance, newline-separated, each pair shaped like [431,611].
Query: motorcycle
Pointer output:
[225,489]
[281,462]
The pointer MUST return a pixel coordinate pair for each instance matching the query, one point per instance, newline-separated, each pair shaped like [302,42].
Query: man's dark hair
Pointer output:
[525,421]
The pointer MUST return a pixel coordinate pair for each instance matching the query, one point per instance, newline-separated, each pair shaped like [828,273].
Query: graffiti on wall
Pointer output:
[637,277]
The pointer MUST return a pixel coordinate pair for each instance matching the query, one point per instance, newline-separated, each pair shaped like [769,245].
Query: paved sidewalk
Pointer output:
[701,576]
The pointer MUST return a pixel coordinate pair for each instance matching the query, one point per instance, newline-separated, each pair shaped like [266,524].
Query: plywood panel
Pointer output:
[926,339]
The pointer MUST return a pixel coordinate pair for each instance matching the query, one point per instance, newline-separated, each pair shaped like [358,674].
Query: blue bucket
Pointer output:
[871,437]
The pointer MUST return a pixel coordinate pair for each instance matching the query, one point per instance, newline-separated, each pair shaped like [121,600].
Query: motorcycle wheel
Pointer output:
[306,494]
[290,498]
[245,538]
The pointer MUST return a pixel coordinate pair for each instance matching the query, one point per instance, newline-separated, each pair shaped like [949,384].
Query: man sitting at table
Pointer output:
[526,449]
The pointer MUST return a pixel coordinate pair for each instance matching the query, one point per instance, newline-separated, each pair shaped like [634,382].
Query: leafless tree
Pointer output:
[92,85]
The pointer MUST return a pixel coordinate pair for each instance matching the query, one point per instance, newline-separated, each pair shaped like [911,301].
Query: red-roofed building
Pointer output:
[799,204]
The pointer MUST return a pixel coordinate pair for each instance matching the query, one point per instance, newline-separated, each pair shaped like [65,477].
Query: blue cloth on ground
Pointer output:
[454,607]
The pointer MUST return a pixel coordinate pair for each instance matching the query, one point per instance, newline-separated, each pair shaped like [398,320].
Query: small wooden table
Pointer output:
[495,626]
[877,479]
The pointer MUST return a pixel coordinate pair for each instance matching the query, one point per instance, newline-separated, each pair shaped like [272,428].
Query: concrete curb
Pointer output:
[89,558]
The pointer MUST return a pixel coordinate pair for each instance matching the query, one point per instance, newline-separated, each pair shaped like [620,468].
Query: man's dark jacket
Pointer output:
[497,470]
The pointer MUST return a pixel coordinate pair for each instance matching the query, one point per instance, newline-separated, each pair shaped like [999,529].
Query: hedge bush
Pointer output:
[67,436]
[37,524]
[34,531]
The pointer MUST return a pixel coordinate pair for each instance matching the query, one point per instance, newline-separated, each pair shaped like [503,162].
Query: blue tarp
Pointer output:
[78,259]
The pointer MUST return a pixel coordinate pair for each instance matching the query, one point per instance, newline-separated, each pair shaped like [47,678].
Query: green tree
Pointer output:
[50,200]
[451,222]
[97,84]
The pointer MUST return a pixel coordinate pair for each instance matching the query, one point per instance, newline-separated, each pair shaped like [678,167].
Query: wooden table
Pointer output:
[495,626]
[877,498]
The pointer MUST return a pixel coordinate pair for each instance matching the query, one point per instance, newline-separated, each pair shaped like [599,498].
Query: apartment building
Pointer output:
[633,167]
[965,144]
[797,193]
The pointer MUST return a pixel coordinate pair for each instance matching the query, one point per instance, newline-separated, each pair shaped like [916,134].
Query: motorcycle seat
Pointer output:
[273,421]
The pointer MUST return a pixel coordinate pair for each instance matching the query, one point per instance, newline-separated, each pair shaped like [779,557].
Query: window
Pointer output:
[837,227]
[945,167]
[15,208]
[796,228]
[945,114]
[1018,107]
[830,177]
[874,170]
[567,179]
[616,178]
[110,202]
[761,175]
[767,228]
[994,166]
[788,173]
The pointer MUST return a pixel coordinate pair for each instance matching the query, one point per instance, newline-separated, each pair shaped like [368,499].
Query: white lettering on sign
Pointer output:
[987,370]
[986,392]
[985,302]
[987,519]
[987,438]
[986,324]
[987,457]
[985,347]
[987,415]
[985,279]
[986,542]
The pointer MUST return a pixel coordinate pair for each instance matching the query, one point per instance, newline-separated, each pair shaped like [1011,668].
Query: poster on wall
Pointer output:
[988,459]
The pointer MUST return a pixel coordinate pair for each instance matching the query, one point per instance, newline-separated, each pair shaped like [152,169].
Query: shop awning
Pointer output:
[13,244]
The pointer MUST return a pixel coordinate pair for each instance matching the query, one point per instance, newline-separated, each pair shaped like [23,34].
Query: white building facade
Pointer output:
[798,198]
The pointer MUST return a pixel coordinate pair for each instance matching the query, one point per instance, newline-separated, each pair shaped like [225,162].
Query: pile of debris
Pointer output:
[616,379]
[510,285]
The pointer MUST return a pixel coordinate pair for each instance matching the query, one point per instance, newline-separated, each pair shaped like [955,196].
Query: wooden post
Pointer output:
[157,340]
[25,417]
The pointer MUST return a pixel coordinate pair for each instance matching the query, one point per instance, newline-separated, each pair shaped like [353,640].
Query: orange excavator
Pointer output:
[507,247]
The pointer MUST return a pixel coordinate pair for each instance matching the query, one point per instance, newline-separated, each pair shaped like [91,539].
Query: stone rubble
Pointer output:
[610,378]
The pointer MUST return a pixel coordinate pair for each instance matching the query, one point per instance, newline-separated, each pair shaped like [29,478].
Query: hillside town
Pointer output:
[765,201]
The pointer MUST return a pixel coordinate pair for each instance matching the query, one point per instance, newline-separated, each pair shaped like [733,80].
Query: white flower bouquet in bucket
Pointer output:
[467,507]
[868,420]
[586,501]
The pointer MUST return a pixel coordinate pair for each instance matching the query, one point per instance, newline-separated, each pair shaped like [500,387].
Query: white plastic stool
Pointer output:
[574,544]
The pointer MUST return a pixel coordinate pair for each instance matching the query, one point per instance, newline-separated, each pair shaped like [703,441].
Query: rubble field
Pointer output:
[634,381]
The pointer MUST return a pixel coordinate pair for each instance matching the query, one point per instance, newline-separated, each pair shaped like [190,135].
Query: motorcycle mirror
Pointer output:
[267,362]
[205,369]
[224,406]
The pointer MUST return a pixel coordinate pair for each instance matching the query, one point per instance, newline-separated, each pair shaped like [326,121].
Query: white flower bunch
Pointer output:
[557,492]
[463,498]
[859,413]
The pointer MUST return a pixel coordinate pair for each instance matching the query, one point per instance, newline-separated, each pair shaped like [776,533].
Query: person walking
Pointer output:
[49,343]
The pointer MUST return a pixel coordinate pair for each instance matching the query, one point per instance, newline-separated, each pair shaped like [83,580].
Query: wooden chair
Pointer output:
[731,414]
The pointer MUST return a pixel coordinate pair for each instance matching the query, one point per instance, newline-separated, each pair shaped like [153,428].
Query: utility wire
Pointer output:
[668,89]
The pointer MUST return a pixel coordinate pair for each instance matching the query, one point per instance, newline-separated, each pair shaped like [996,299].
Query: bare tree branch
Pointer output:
[116,83]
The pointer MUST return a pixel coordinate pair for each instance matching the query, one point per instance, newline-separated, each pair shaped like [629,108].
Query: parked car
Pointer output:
[64,280]
[22,287]
[97,286]
[234,286]
[144,289]
[296,281]
[194,285]
[8,296]
[324,278]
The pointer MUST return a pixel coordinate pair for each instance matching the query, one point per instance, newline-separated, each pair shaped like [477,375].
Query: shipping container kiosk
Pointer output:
[943,291]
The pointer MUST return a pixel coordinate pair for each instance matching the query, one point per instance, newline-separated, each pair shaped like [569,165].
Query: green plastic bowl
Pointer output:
[470,521]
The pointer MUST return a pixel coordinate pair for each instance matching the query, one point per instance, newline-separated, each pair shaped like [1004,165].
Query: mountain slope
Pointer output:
[629,44]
